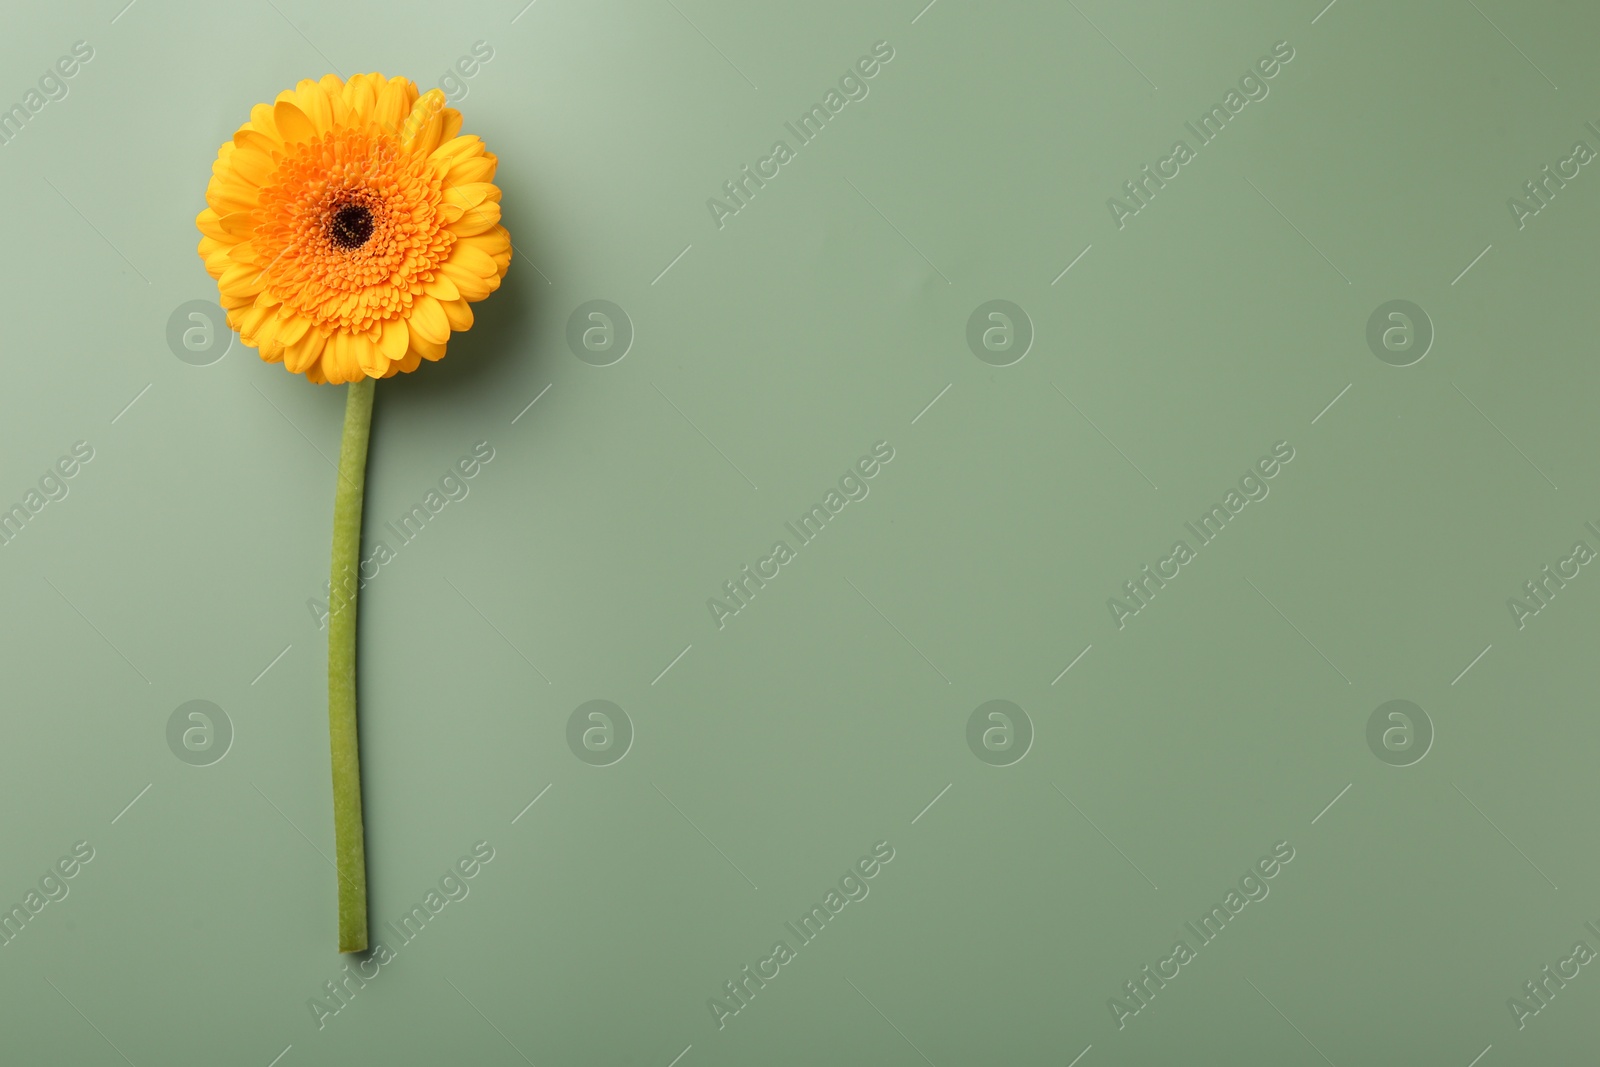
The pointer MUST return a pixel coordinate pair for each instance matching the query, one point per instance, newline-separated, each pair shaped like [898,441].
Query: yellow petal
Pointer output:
[271,351]
[491,242]
[261,119]
[428,320]
[474,169]
[293,125]
[373,363]
[250,137]
[333,86]
[311,100]
[477,220]
[253,165]
[395,340]
[209,246]
[406,364]
[250,323]
[425,125]
[304,352]
[472,259]
[394,104]
[241,279]
[216,254]
[457,148]
[452,124]
[361,95]
[459,199]
[237,226]
[220,166]
[226,193]
[459,314]
[244,252]
[443,288]
[210,224]
[291,326]
[339,359]
[471,194]
[472,286]
[333,354]
[267,337]
[426,349]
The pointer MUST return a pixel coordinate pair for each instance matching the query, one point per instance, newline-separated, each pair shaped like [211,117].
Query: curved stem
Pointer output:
[349,836]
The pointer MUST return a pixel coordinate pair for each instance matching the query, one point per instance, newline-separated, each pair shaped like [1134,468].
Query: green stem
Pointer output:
[349,836]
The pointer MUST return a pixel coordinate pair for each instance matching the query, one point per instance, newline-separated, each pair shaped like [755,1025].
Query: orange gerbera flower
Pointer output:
[349,228]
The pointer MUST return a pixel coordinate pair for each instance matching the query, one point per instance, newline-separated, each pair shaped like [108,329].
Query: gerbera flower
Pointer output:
[349,227]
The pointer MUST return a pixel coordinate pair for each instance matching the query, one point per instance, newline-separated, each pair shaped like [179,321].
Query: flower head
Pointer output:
[349,227]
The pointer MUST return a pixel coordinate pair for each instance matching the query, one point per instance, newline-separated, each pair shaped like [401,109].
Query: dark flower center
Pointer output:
[351,226]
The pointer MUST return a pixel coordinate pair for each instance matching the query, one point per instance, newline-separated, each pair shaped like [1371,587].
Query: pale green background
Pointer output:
[821,319]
